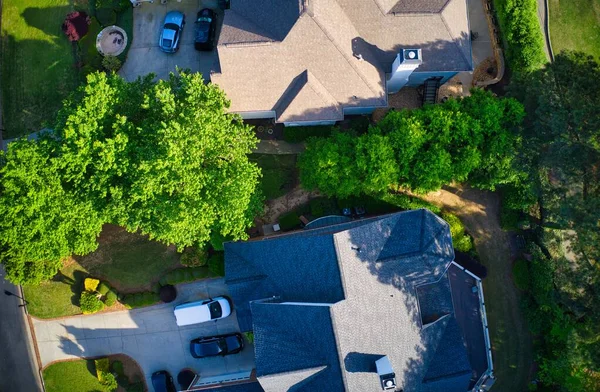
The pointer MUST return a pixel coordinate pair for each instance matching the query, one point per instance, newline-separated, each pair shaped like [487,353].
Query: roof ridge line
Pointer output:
[348,60]
[454,39]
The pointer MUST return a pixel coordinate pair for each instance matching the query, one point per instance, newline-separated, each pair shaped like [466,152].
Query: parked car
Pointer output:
[171,32]
[163,382]
[217,345]
[206,28]
[202,311]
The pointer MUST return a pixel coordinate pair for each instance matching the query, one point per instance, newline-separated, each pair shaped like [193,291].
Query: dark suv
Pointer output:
[163,382]
[217,345]
[206,28]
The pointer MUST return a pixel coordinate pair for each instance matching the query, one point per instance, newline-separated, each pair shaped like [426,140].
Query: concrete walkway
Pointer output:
[543,12]
[148,335]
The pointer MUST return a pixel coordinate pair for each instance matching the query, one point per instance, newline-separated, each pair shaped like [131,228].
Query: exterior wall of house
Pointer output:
[355,111]
[308,123]
[418,78]
[257,115]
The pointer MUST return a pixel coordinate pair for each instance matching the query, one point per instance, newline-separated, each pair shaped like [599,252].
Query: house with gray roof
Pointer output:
[308,62]
[368,305]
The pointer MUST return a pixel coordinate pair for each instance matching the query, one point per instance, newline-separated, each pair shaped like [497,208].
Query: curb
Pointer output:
[547,28]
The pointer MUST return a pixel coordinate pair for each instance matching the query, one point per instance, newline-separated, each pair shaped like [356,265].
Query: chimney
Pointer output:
[406,62]
[387,377]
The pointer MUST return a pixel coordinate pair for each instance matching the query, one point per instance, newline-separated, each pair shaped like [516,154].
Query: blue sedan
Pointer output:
[171,32]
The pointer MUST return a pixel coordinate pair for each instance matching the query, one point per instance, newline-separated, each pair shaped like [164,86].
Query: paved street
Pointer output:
[18,370]
[148,335]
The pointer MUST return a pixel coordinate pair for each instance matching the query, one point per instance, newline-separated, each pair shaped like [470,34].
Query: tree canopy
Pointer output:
[163,158]
[473,138]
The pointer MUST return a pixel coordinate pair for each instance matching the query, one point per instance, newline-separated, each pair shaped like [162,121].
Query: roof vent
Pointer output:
[387,377]
[411,56]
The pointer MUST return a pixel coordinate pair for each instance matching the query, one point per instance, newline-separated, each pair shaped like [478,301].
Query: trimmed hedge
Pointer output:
[521,29]
[184,275]
[138,300]
[216,264]
[111,298]
[91,284]
[300,134]
[90,303]
[117,367]
[289,221]
[103,288]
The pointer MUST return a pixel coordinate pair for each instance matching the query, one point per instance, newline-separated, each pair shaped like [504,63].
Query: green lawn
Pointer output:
[37,63]
[72,376]
[128,262]
[279,173]
[575,25]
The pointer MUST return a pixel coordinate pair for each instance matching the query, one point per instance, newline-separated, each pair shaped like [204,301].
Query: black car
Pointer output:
[217,345]
[163,382]
[206,27]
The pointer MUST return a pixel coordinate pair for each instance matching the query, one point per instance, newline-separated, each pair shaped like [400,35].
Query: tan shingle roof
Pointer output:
[346,46]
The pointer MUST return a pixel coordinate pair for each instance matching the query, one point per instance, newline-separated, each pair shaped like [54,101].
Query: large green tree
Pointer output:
[473,138]
[163,158]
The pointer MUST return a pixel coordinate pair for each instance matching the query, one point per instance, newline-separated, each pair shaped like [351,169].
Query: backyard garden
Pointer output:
[42,62]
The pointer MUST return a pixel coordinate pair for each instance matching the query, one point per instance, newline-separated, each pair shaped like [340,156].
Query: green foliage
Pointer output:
[520,272]
[103,288]
[300,134]
[322,206]
[117,367]
[406,202]
[473,138]
[87,45]
[90,303]
[106,16]
[216,264]
[289,221]
[111,298]
[185,275]
[462,241]
[138,300]
[194,256]
[278,173]
[109,381]
[102,366]
[90,284]
[249,337]
[360,124]
[217,240]
[111,63]
[521,30]
[61,376]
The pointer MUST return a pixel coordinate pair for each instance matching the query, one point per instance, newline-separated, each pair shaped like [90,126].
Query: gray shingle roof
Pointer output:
[295,348]
[347,46]
[390,272]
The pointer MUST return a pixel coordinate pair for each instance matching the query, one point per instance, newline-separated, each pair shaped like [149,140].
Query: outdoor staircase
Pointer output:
[430,90]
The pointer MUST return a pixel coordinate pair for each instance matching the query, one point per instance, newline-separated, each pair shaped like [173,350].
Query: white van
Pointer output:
[202,311]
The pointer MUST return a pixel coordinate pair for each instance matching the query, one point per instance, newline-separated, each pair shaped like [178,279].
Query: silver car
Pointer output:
[171,32]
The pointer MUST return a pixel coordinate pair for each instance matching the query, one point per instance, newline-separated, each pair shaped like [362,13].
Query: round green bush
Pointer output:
[117,367]
[463,243]
[106,16]
[90,303]
[111,63]
[111,298]
[103,288]
[194,257]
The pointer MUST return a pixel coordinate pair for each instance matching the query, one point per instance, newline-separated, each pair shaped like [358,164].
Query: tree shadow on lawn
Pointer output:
[45,18]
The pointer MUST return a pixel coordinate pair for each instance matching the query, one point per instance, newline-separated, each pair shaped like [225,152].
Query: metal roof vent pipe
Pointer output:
[387,377]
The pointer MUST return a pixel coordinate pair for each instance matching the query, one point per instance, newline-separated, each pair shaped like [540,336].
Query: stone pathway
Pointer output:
[279,147]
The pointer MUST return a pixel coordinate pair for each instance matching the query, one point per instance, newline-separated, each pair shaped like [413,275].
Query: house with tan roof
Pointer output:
[310,62]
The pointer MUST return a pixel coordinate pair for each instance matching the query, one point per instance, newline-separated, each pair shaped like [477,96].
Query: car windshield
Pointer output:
[171,26]
[166,43]
[204,19]
[207,348]
[232,342]
[215,310]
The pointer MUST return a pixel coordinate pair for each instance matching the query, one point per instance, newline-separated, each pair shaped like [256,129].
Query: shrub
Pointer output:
[407,202]
[111,298]
[194,256]
[109,381]
[520,272]
[184,275]
[90,303]
[462,241]
[111,63]
[139,300]
[102,366]
[115,5]
[521,29]
[76,25]
[103,288]
[117,367]
[249,336]
[168,293]
[322,207]
[300,134]
[360,124]
[91,284]
[217,240]
[106,16]
[90,56]
[289,221]
[216,264]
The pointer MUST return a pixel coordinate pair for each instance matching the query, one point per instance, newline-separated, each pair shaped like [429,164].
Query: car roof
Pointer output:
[174,17]
[192,313]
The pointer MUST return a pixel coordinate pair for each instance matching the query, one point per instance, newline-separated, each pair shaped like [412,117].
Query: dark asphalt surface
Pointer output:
[18,369]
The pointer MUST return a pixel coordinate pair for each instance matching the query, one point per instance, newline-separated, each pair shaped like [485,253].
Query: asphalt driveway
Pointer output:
[148,335]
[144,55]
